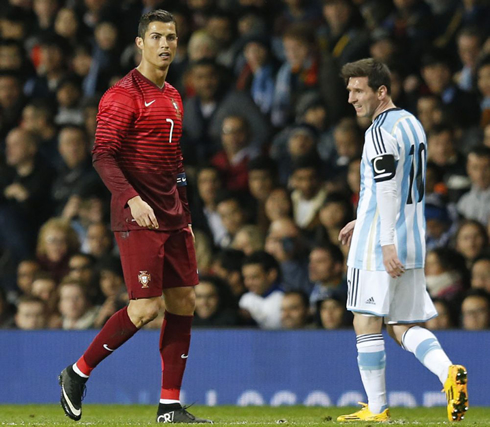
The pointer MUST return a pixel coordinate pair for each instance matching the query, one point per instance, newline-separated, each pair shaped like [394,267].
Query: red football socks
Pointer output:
[175,339]
[117,330]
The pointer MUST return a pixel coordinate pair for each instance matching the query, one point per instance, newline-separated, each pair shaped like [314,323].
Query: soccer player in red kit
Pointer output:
[137,154]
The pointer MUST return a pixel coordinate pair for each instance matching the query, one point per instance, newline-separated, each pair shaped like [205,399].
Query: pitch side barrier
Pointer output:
[236,367]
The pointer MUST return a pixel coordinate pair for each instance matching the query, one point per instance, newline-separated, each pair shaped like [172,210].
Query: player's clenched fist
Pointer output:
[142,213]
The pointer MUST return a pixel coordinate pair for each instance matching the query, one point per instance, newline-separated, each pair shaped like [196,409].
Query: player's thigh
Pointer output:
[180,264]
[411,302]
[142,261]
[369,292]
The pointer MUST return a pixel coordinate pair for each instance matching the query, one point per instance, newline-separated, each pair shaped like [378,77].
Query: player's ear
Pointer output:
[139,42]
[382,91]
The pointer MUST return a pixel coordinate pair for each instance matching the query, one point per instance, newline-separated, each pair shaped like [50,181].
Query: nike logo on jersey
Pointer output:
[184,356]
[147,104]
[107,347]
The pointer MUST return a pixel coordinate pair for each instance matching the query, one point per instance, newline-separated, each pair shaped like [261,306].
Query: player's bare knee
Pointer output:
[143,311]
[181,301]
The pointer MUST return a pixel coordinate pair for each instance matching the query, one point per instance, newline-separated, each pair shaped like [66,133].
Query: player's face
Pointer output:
[364,99]
[159,44]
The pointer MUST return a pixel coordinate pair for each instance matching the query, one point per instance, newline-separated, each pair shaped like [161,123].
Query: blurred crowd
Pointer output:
[271,149]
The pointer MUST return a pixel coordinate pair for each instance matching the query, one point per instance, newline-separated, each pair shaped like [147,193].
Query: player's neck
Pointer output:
[153,74]
[382,107]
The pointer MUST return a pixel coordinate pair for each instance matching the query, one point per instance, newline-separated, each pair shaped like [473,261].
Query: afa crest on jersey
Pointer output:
[144,278]
[177,109]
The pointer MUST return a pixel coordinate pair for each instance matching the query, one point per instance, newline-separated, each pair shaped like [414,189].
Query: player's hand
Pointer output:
[142,213]
[345,235]
[192,232]
[393,265]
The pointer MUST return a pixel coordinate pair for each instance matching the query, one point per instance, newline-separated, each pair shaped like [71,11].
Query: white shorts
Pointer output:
[401,300]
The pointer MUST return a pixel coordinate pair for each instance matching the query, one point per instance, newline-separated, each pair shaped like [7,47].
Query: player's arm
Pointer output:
[383,153]
[113,121]
[182,181]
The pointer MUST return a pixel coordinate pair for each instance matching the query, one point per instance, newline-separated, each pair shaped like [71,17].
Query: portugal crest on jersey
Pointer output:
[176,106]
[144,278]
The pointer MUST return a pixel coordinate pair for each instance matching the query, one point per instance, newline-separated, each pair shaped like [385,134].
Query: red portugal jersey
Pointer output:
[137,151]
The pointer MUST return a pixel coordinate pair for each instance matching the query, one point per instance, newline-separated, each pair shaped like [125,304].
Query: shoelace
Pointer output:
[184,408]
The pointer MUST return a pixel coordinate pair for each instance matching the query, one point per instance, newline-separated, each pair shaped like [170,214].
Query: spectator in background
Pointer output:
[45,11]
[75,306]
[31,314]
[249,239]
[257,73]
[429,111]
[326,270]
[308,193]
[6,311]
[278,204]
[51,69]
[262,178]
[470,41]
[206,110]
[344,36]
[297,74]
[45,288]
[332,313]
[298,141]
[439,229]
[111,285]
[204,251]
[11,101]
[232,160]
[205,215]
[221,26]
[56,242]
[354,180]
[212,305]
[471,240]
[24,193]
[99,240]
[475,311]
[76,169]
[38,118]
[295,310]
[233,215]
[26,271]
[483,83]
[442,151]
[68,26]
[334,213]
[285,243]
[480,274]
[476,203]
[82,268]
[69,96]
[228,267]
[436,71]
[262,278]
[444,318]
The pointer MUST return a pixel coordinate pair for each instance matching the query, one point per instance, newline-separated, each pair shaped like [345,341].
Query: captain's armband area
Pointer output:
[181,179]
[384,167]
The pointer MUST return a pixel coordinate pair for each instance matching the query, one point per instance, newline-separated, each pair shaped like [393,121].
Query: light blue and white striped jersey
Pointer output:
[394,132]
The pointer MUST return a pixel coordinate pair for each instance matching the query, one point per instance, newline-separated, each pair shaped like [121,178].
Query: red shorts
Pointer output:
[156,260]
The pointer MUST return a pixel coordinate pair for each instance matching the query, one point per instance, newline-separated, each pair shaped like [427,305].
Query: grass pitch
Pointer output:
[141,415]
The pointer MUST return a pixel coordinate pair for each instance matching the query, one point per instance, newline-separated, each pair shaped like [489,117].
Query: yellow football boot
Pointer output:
[456,391]
[365,414]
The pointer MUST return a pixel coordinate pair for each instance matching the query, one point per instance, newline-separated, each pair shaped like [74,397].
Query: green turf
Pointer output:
[135,415]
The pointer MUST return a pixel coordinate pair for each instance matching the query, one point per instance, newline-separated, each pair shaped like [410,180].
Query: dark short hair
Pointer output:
[377,72]
[481,151]
[231,259]
[264,259]
[333,250]
[305,300]
[155,15]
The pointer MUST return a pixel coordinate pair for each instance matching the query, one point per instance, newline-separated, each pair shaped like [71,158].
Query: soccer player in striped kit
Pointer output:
[138,156]
[386,259]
